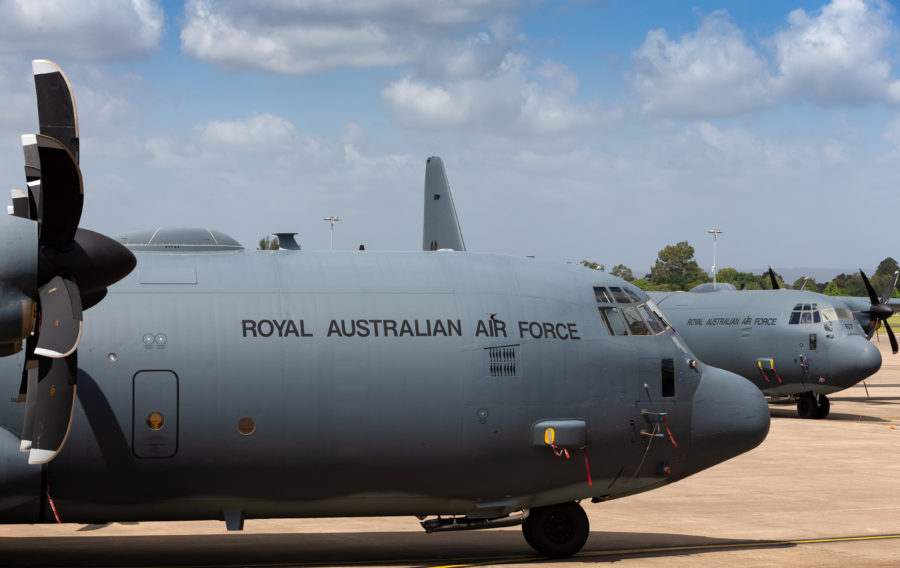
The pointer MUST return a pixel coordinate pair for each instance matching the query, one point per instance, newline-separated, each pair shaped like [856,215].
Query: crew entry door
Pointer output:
[155,417]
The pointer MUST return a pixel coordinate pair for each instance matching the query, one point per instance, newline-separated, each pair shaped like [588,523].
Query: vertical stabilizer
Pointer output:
[440,229]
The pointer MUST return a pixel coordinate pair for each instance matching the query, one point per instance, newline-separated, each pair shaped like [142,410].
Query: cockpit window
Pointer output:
[634,297]
[656,326]
[613,321]
[620,295]
[659,315]
[806,314]
[642,319]
[635,324]
[603,296]
[844,314]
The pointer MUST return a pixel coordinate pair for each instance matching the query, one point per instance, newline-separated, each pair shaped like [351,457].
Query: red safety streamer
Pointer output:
[560,453]
[587,468]
[52,506]
[669,432]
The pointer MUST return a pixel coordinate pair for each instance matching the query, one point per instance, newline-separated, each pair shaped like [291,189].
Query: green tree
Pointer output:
[740,280]
[593,265]
[832,289]
[847,285]
[268,243]
[676,269]
[622,272]
[643,284]
[887,266]
[810,284]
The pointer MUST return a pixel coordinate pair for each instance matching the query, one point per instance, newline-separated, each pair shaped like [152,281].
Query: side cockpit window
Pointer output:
[807,313]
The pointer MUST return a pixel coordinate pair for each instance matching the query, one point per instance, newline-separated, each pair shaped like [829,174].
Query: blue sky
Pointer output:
[570,129]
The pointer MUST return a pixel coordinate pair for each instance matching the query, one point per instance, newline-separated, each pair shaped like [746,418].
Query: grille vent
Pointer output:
[502,361]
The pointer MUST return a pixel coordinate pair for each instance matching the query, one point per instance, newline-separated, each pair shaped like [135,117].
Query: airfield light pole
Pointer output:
[715,234]
[332,219]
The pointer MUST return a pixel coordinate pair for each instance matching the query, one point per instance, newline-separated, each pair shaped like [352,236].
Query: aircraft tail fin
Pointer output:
[440,229]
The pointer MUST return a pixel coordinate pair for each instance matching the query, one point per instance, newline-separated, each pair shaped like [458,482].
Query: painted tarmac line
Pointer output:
[690,548]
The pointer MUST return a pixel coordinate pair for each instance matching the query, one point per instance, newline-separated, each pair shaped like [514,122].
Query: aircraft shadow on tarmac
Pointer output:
[331,549]
[791,414]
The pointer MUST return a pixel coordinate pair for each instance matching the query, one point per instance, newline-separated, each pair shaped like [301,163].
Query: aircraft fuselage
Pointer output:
[785,341]
[283,384]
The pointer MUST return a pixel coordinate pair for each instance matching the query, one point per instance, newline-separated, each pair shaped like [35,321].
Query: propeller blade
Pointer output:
[30,377]
[62,192]
[53,408]
[893,339]
[773,279]
[869,289]
[61,320]
[890,289]
[34,199]
[32,173]
[57,114]
[20,203]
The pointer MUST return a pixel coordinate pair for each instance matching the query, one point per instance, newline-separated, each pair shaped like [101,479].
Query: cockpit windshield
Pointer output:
[624,314]
[806,313]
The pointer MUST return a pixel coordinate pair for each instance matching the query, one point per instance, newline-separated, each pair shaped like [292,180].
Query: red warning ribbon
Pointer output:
[587,468]
[669,432]
[52,506]
[560,453]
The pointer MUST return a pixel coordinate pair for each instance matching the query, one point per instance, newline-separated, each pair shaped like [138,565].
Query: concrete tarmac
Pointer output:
[815,493]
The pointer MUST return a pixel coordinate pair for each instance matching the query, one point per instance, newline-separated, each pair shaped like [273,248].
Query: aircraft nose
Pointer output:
[729,416]
[853,359]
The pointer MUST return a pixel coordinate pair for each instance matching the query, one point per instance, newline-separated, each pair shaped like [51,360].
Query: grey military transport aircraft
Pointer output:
[213,382]
[789,343]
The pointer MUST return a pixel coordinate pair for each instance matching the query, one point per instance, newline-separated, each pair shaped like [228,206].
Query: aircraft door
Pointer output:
[155,417]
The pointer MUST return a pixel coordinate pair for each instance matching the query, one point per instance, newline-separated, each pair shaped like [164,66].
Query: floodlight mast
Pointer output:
[715,233]
[332,219]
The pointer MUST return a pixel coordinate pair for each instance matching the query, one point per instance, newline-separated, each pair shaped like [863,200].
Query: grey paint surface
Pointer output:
[440,227]
[382,424]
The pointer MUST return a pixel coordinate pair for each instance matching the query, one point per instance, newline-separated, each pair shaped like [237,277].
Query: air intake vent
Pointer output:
[502,361]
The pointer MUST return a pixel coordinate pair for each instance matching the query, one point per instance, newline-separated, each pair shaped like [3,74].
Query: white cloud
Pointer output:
[319,35]
[88,29]
[511,100]
[838,55]
[713,72]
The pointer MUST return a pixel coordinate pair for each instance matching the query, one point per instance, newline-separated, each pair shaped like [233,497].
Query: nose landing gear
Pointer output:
[558,530]
[810,406]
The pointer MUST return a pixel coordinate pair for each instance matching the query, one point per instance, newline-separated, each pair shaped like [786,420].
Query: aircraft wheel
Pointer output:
[558,530]
[807,407]
[824,407]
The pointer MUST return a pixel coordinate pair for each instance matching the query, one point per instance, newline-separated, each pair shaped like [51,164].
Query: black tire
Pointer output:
[557,531]
[526,531]
[824,407]
[807,407]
